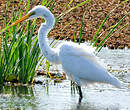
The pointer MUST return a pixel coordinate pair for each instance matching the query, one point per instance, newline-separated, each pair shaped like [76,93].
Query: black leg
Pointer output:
[80,94]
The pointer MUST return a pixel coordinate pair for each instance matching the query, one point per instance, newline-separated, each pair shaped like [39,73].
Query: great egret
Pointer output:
[78,62]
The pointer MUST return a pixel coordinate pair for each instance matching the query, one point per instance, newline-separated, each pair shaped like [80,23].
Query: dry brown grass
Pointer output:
[95,13]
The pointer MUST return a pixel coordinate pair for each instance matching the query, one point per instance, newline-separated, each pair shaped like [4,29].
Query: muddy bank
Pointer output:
[94,12]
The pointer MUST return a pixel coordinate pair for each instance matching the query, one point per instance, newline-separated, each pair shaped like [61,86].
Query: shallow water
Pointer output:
[61,96]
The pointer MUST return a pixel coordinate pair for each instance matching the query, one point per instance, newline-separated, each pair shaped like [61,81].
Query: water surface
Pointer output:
[61,96]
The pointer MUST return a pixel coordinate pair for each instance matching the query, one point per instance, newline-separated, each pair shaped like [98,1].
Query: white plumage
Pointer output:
[83,66]
[78,62]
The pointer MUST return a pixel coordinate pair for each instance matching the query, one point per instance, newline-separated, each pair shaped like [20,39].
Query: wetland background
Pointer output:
[79,25]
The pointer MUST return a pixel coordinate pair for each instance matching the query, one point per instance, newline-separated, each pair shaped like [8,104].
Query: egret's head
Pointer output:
[36,12]
[39,11]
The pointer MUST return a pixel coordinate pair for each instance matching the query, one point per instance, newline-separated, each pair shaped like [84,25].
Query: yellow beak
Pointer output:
[20,20]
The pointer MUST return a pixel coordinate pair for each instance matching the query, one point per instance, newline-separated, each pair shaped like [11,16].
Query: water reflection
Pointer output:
[61,96]
[17,90]
[16,97]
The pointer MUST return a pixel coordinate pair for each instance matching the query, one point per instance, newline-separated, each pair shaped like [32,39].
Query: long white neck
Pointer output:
[52,54]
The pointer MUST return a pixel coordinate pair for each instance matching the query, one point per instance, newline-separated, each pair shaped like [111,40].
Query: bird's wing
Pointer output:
[79,51]
[81,63]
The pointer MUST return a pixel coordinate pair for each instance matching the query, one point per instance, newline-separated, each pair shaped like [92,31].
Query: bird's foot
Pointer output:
[80,99]
[80,94]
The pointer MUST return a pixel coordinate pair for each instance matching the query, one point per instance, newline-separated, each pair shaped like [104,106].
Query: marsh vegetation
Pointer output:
[101,23]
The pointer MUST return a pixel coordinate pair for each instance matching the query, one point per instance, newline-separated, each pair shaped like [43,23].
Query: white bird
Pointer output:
[79,63]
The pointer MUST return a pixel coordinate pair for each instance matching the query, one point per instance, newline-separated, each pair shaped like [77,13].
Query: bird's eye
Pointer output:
[32,13]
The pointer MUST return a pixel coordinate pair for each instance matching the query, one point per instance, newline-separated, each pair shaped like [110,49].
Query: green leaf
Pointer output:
[112,30]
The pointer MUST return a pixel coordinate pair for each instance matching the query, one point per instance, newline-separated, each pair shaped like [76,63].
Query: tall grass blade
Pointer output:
[28,5]
[49,3]
[81,29]
[100,27]
[52,6]
[64,13]
[112,30]
[125,25]
[74,34]
[69,3]
[44,2]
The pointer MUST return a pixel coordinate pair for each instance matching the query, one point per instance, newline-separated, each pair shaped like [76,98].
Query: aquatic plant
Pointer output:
[111,29]
[19,49]
[20,52]
[99,38]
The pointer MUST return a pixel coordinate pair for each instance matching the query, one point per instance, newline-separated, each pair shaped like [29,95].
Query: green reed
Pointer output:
[20,52]
[111,29]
